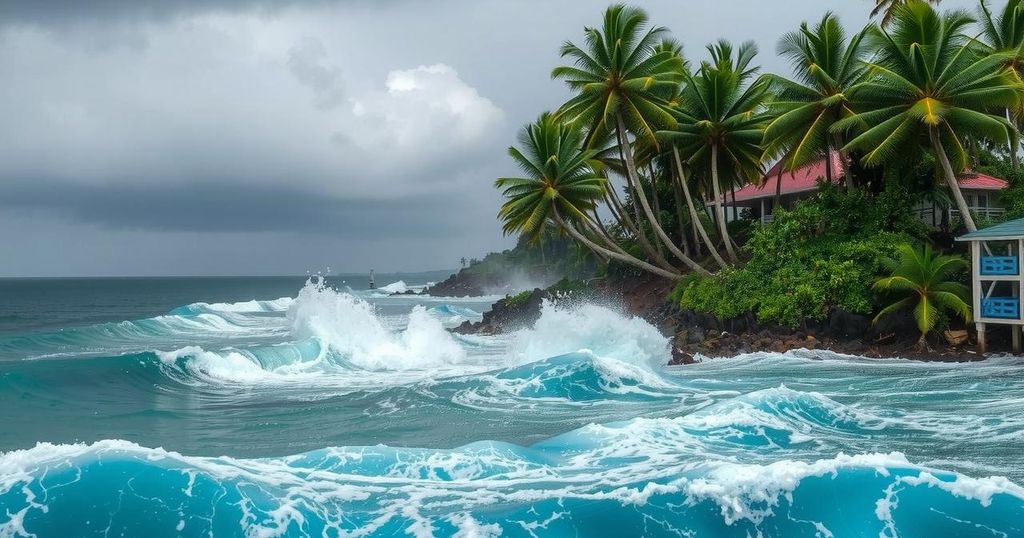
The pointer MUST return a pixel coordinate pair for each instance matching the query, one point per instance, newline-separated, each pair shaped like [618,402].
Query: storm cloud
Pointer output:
[353,134]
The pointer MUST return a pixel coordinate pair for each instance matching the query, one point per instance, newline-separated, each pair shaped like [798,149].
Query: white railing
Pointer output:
[981,212]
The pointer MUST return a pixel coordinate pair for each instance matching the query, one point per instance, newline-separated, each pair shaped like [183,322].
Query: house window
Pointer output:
[982,201]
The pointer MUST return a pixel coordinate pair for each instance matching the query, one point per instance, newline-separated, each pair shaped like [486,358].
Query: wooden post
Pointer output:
[976,292]
[1015,331]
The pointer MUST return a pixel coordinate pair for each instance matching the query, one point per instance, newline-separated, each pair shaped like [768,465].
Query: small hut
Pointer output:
[997,284]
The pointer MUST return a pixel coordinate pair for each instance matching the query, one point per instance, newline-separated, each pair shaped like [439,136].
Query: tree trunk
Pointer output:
[697,223]
[677,194]
[844,162]
[612,254]
[631,171]
[623,217]
[657,204]
[735,208]
[1014,143]
[720,205]
[597,227]
[778,188]
[828,169]
[947,169]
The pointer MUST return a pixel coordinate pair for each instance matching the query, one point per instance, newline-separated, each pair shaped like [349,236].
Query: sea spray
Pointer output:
[348,326]
[597,329]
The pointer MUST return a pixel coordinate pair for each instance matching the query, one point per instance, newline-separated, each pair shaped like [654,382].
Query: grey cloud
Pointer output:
[215,136]
[307,61]
[226,207]
[47,12]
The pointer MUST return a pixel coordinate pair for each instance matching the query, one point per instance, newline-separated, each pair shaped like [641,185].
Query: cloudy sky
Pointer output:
[245,137]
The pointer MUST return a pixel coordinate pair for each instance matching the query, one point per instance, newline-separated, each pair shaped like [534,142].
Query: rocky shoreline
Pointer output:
[695,335]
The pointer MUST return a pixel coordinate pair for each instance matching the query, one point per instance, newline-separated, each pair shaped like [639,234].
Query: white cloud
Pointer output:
[428,109]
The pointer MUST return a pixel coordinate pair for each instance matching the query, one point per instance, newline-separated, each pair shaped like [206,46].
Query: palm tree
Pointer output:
[924,279]
[804,110]
[927,84]
[1005,34]
[622,80]
[887,8]
[721,123]
[559,186]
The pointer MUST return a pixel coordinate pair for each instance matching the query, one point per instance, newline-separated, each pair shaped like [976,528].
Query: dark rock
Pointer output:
[843,324]
[695,335]
[899,327]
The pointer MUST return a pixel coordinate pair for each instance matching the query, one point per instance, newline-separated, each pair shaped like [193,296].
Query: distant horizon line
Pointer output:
[366,273]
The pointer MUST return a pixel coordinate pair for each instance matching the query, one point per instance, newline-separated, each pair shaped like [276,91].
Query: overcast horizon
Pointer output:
[248,137]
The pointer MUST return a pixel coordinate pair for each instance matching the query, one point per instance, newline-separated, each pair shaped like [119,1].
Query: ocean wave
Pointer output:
[454,315]
[347,325]
[596,329]
[253,306]
[596,488]
[127,336]
[395,287]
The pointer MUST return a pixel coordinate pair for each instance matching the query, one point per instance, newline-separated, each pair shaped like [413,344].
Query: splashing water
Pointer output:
[297,416]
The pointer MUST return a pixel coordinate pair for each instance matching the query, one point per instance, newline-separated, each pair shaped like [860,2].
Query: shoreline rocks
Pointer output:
[695,334]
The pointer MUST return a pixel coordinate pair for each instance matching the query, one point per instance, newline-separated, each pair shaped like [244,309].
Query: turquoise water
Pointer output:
[322,412]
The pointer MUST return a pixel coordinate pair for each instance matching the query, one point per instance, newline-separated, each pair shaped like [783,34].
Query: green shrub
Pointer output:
[825,253]
[517,300]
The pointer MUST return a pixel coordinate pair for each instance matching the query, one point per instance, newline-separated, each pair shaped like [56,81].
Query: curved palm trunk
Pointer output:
[632,176]
[697,223]
[719,205]
[597,228]
[1014,142]
[624,258]
[947,169]
[622,216]
[656,203]
[677,195]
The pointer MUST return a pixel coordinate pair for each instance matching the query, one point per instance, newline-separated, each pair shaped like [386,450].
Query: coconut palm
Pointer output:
[887,8]
[560,187]
[927,86]
[826,65]
[721,123]
[1004,33]
[924,280]
[622,79]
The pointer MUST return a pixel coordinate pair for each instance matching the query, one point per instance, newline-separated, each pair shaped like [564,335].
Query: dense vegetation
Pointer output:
[636,167]
[821,255]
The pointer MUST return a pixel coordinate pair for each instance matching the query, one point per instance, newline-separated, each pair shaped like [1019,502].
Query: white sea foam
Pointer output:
[274,305]
[599,330]
[395,287]
[348,326]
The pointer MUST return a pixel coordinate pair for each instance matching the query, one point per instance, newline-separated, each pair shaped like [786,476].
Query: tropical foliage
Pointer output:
[925,282]
[822,255]
[638,165]
[929,86]
[886,8]
[805,109]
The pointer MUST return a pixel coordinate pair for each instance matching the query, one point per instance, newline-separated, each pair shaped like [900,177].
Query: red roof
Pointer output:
[800,180]
[982,182]
[806,179]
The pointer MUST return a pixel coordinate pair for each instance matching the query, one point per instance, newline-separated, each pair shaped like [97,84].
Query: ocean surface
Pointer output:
[286,407]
